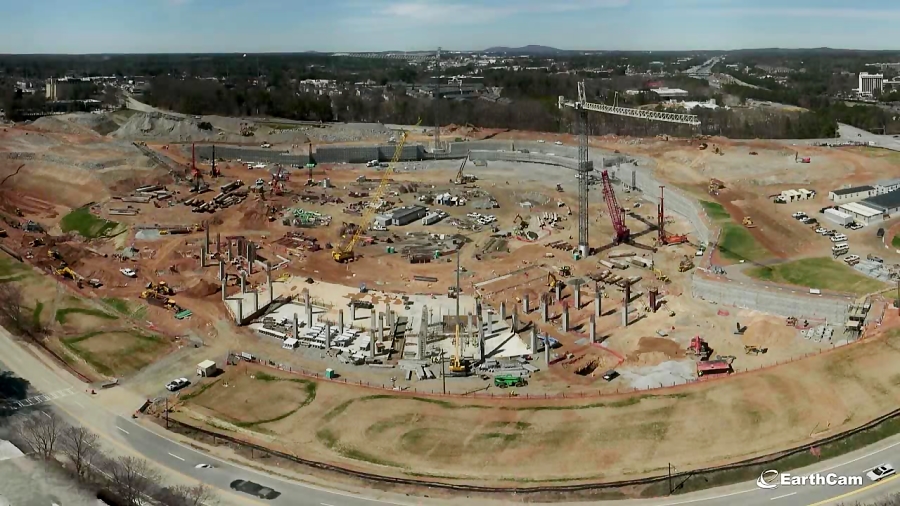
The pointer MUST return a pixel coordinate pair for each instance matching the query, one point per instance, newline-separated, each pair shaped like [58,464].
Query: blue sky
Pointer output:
[132,26]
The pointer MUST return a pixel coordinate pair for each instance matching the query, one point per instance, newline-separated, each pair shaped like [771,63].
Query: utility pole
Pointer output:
[443,374]
[670,479]
[436,98]
[167,412]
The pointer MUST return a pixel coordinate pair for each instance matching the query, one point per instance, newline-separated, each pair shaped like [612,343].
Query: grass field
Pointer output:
[714,210]
[116,353]
[823,273]
[86,224]
[61,314]
[895,242]
[737,243]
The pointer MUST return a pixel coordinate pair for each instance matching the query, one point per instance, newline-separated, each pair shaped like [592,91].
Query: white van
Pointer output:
[838,238]
[840,248]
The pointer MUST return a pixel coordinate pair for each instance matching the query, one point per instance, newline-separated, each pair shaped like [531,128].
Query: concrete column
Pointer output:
[544,315]
[224,292]
[341,320]
[229,250]
[390,317]
[502,310]
[255,301]
[490,324]
[243,284]
[239,315]
[202,256]
[471,321]
[578,297]
[221,269]
[547,350]
[625,314]
[372,342]
[296,327]
[593,329]
[306,298]
[327,336]
[481,339]
[206,244]
[534,340]
[372,320]
[250,255]
[381,328]
[558,292]
[525,307]
[309,316]
[387,312]
[515,322]
[269,282]
[565,319]
[353,313]
[598,302]
[218,244]
[653,296]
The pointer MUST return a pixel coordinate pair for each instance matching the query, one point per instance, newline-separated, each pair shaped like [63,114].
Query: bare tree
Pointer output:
[199,495]
[15,316]
[41,431]
[80,446]
[131,479]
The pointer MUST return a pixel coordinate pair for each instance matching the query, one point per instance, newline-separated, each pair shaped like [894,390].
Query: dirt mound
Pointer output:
[201,289]
[155,127]
[58,124]
[99,123]
[768,334]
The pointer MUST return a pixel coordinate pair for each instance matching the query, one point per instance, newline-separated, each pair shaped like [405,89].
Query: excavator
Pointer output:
[464,178]
[457,367]
[686,264]
[161,288]
[553,282]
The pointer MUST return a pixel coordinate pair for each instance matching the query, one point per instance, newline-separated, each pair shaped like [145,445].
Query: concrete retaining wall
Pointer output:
[514,156]
[676,201]
[255,155]
[363,154]
[768,300]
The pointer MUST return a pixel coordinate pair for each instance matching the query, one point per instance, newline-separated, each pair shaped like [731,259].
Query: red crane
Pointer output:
[665,238]
[616,213]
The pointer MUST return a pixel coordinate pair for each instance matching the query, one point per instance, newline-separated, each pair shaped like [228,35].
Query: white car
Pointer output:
[852,258]
[131,273]
[541,141]
[204,466]
[558,143]
[177,384]
[821,230]
[881,472]
[856,226]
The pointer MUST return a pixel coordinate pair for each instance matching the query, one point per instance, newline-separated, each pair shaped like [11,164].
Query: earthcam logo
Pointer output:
[772,479]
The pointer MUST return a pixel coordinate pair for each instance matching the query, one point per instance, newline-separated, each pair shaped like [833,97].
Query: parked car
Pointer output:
[852,259]
[131,273]
[881,472]
[558,143]
[880,232]
[821,230]
[250,488]
[177,384]
[799,215]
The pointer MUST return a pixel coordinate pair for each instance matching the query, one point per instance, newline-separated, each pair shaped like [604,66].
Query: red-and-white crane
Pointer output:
[616,213]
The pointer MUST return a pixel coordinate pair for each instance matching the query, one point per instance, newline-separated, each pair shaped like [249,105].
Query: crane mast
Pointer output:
[616,213]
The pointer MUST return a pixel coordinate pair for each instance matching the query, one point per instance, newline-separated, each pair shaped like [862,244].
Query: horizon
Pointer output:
[101,27]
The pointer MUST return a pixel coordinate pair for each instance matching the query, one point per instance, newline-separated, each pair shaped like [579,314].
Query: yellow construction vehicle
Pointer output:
[66,272]
[686,264]
[52,253]
[457,367]
[463,178]
[660,276]
[553,282]
[565,271]
[748,222]
[344,252]
[161,288]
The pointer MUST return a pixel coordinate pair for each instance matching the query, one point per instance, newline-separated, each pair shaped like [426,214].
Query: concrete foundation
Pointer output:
[778,302]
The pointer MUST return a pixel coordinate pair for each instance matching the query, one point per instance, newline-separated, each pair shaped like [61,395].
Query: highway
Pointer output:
[177,462]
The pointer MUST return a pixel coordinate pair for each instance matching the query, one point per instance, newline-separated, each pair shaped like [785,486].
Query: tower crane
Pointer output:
[345,251]
[457,366]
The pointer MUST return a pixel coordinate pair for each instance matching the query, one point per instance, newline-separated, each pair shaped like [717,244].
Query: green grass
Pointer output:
[61,314]
[9,266]
[714,210]
[823,273]
[83,222]
[120,305]
[132,357]
[895,242]
[736,243]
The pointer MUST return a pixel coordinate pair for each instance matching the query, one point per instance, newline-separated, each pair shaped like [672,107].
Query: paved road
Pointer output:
[177,461]
[850,133]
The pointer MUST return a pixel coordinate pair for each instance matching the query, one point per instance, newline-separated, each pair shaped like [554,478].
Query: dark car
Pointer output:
[250,488]
[880,232]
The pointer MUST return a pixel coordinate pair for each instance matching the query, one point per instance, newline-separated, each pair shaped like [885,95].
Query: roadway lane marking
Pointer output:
[121,429]
[45,414]
[689,501]
[177,457]
[783,496]
[876,452]
[848,494]
[324,504]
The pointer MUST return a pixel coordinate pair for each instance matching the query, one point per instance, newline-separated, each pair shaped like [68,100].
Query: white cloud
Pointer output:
[481,11]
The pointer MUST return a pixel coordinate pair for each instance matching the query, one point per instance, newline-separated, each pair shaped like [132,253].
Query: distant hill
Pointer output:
[529,50]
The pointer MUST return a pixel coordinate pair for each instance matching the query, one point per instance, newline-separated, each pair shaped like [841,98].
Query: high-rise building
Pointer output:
[868,83]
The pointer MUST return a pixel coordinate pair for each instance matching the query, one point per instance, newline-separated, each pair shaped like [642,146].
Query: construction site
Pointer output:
[518,272]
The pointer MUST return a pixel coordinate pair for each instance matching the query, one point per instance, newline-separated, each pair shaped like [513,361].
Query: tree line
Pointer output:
[123,481]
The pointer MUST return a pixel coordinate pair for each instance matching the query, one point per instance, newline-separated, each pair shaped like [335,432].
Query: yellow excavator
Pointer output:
[344,252]
[463,178]
[553,282]
[457,367]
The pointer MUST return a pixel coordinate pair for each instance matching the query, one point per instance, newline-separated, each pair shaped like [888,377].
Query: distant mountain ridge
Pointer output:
[530,49]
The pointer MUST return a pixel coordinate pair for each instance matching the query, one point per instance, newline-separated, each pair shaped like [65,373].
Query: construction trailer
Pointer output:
[713,367]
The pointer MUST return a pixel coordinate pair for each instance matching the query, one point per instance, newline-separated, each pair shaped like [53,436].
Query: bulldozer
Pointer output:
[748,222]
[686,264]
[161,288]
[52,253]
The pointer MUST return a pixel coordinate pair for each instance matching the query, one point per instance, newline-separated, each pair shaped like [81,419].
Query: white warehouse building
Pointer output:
[887,186]
[852,194]
[863,212]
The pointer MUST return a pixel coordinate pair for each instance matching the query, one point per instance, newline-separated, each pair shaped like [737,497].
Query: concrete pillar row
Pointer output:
[544,312]
[534,340]
[372,317]
[565,319]
[381,328]
[296,327]
[525,307]
[578,297]
[269,282]
[341,320]
[327,336]
[255,301]
[218,244]
[221,269]
[243,284]
[490,324]
[515,322]
[593,329]
[558,292]
[224,291]
[353,313]
[372,342]
[502,310]
[239,315]
[598,302]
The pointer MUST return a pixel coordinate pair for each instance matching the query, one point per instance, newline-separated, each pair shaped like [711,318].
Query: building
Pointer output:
[887,186]
[670,92]
[869,83]
[795,195]
[852,194]
[839,217]
[407,214]
[863,212]
[886,205]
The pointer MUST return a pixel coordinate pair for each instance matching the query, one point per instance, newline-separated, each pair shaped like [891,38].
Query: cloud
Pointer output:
[481,11]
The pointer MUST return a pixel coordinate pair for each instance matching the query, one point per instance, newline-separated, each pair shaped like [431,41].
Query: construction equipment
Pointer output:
[686,264]
[345,252]
[3,232]
[66,272]
[464,178]
[748,222]
[559,188]
[34,243]
[699,349]
[703,146]
[457,367]
[197,184]
[553,281]
[52,253]
[161,288]
[664,239]
[660,276]
[19,213]
[565,271]
[755,350]
[714,186]
[96,283]
[616,213]
[790,321]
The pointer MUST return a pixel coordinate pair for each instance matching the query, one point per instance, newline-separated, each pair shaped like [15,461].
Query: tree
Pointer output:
[41,431]
[15,316]
[80,446]
[198,495]
[131,479]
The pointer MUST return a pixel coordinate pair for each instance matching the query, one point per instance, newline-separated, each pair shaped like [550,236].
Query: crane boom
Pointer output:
[616,213]
[345,253]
